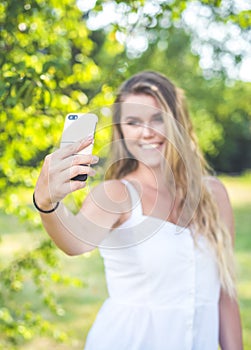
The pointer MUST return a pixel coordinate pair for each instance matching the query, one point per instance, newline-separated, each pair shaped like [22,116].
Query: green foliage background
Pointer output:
[53,64]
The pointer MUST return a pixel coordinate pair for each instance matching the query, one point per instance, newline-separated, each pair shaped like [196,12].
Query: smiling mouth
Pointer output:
[150,145]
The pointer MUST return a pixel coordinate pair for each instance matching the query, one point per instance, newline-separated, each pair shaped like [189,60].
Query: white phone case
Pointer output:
[78,126]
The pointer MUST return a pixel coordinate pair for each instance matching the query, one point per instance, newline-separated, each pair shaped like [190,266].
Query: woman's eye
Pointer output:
[158,119]
[133,123]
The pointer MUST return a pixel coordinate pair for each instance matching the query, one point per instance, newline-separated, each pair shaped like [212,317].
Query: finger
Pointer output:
[75,147]
[89,139]
[73,186]
[85,159]
[73,171]
[76,185]
[77,159]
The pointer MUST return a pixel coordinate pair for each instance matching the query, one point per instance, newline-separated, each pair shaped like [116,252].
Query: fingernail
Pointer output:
[86,139]
[95,159]
[92,172]
[90,137]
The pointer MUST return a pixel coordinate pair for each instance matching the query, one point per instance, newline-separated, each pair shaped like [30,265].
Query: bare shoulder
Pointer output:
[220,195]
[105,205]
[217,188]
[115,190]
[111,195]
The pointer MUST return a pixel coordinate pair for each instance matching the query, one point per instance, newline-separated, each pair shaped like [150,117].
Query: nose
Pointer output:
[147,130]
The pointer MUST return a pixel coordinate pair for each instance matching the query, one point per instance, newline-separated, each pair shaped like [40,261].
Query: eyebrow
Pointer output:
[139,118]
[131,117]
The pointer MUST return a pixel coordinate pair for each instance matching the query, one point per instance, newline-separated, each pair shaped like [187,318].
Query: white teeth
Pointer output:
[150,145]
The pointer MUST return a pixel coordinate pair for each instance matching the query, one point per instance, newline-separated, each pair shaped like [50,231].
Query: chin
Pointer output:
[151,163]
[150,158]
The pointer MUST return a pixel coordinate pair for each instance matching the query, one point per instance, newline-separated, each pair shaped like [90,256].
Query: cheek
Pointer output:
[127,132]
[130,145]
[130,137]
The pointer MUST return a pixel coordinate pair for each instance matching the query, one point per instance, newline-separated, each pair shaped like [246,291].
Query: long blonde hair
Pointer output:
[197,207]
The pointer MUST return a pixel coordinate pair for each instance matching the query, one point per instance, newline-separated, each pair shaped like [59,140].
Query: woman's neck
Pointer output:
[146,176]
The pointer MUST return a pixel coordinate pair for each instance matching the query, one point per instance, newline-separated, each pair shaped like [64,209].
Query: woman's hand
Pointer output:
[59,167]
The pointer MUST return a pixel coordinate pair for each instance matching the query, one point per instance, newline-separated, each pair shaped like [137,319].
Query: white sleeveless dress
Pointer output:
[163,290]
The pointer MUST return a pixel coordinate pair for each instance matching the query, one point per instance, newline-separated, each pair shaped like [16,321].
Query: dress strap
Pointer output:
[135,198]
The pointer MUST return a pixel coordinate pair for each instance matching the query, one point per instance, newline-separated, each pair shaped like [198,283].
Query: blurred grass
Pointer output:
[82,304]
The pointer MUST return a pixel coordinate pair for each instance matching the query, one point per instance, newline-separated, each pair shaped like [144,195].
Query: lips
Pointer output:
[151,145]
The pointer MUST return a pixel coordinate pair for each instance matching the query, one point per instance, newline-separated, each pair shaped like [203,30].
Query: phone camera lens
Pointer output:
[73,117]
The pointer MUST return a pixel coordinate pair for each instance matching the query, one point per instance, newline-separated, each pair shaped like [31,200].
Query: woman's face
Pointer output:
[143,128]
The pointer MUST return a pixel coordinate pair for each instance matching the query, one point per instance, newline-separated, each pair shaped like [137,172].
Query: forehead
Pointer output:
[140,105]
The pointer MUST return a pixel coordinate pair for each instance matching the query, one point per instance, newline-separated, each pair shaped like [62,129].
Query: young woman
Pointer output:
[163,225]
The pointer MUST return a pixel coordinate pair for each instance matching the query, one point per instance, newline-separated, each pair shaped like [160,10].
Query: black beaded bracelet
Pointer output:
[41,210]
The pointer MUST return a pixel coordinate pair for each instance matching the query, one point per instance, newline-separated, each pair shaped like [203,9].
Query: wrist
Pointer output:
[44,207]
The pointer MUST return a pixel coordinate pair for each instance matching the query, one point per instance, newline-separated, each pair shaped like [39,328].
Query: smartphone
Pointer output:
[77,126]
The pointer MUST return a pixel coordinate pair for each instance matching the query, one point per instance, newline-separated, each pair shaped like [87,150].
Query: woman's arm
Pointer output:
[230,322]
[77,234]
